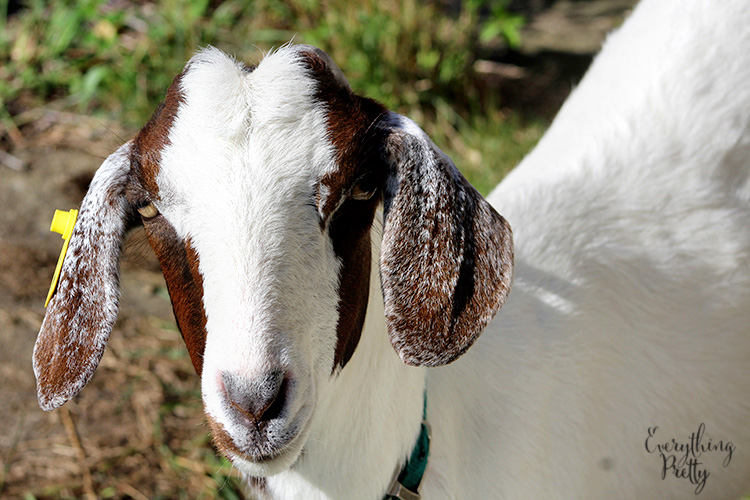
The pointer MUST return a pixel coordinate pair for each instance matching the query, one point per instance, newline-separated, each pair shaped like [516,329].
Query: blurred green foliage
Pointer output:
[119,57]
[107,56]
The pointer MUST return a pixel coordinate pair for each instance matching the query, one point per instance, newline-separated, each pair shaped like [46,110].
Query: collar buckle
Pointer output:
[398,491]
[413,471]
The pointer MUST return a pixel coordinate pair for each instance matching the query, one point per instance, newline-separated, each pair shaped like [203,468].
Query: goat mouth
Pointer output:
[289,450]
[273,463]
[255,453]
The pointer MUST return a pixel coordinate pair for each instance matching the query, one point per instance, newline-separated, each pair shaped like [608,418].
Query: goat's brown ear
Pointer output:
[83,310]
[446,261]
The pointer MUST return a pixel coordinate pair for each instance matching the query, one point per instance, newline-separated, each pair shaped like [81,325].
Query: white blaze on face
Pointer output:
[238,181]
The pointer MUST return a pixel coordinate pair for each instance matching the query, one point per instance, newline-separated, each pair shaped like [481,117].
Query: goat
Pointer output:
[618,367]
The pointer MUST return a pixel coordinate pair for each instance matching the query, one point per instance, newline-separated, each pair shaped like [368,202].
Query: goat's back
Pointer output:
[631,302]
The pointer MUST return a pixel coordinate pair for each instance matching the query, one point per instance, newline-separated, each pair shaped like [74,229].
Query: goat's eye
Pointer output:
[362,192]
[149,211]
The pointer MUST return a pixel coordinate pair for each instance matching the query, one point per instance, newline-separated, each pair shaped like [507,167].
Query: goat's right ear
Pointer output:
[446,263]
[83,309]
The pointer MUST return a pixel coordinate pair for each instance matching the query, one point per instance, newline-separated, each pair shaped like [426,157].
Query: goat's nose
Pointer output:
[259,398]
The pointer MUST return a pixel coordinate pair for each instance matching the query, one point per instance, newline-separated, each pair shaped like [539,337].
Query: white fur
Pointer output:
[631,295]
[631,301]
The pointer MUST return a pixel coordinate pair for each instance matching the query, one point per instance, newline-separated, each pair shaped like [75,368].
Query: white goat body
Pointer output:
[625,333]
[631,301]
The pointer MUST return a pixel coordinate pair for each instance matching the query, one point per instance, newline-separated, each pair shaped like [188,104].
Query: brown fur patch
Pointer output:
[180,265]
[154,137]
[352,132]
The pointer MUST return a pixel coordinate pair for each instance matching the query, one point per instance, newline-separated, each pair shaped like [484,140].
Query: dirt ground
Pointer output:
[136,431]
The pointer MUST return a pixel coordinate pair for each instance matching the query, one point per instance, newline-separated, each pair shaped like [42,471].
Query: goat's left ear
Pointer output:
[446,262]
[83,310]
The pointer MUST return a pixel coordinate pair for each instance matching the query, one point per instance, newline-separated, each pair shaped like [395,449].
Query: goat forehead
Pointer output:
[240,137]
[229,99]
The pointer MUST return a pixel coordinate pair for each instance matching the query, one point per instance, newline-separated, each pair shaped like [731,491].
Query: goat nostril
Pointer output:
[261,398]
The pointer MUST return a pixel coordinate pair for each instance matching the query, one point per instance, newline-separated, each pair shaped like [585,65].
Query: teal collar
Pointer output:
[405,485]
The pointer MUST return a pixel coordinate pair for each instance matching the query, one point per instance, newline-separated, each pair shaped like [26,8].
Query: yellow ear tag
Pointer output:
[62,222]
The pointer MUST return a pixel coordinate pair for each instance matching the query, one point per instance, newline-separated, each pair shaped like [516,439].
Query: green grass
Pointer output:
[121,59]
[485,147]
[91,57]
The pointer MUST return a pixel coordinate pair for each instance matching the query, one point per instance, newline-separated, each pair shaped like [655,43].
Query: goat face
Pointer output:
[258,188]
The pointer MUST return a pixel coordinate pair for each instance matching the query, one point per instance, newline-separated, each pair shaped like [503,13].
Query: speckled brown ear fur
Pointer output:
[447,256]
[83,310]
